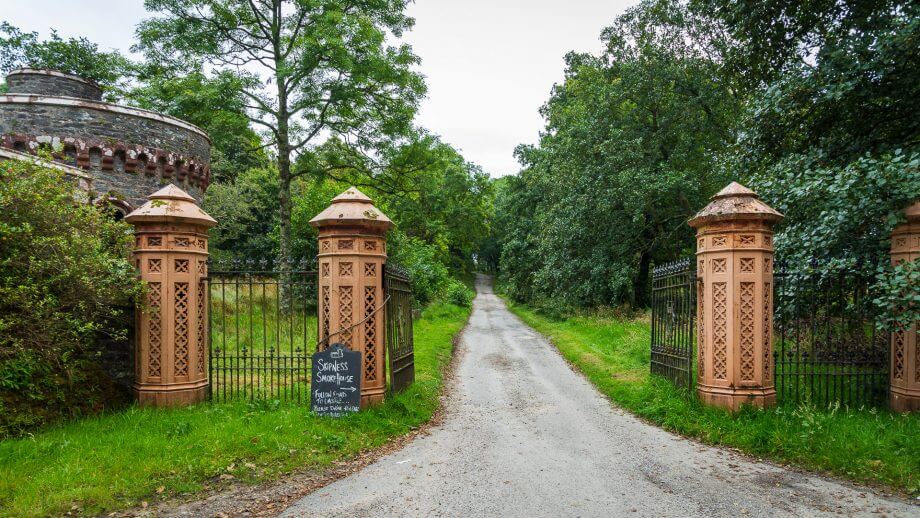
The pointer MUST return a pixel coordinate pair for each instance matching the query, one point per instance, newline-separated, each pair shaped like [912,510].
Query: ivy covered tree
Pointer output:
[831,136]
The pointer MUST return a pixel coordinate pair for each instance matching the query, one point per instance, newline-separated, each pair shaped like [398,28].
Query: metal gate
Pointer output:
[400,345]
[262,331]
[673,321]
[827,347]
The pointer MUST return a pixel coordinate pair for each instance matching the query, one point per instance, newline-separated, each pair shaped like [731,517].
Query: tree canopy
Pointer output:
[307,69]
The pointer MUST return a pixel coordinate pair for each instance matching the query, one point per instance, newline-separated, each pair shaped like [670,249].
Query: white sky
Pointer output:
[489,64]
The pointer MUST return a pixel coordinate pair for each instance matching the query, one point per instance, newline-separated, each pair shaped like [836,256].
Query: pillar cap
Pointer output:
[171,204]
[735,201]
[352,208]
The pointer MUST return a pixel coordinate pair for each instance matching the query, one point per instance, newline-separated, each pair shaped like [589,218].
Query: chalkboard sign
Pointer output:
[336,386]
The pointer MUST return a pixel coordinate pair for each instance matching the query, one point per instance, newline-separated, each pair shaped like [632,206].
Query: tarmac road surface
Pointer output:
[524,435]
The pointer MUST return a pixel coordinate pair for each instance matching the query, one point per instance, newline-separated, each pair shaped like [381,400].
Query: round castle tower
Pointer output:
[129,153]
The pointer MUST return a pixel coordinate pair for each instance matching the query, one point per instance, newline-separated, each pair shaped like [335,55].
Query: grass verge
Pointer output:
[115,461]
[864,445]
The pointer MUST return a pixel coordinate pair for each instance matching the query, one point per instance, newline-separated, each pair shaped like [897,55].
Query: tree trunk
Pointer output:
[641,288]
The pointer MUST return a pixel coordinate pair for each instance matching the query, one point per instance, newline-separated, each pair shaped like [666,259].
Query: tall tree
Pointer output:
[310,69]
[628,154]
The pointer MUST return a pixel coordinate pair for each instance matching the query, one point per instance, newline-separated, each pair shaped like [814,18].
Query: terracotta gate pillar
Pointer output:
[905,347]
[352,253]
[171,253]
[735,299]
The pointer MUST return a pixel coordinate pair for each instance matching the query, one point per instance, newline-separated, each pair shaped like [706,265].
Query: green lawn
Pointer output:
[118,460]
[865,445]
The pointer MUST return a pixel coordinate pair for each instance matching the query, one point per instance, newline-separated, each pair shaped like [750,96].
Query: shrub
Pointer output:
[457,293]
[420,259]
[64,275]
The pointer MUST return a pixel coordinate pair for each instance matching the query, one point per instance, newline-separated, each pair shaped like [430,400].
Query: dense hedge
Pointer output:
[64,274]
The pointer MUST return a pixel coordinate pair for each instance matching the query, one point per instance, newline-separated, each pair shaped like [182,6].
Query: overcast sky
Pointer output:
[489,64]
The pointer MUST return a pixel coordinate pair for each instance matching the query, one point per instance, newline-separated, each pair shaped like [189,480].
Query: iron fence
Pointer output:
[673,321]
[400,344]
[826,346]
[262,331]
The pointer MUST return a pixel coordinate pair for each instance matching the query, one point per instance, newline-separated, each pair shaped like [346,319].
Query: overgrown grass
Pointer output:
[864,445]
[118,460]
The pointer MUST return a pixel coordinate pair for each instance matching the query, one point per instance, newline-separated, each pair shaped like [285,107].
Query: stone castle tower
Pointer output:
[125,153]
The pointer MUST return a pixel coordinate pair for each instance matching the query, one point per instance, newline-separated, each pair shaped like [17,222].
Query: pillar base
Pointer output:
[167,396]
[372,397]
[905,400]
[734,398]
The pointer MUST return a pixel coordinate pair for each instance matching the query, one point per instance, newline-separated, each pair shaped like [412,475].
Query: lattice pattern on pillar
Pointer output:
[155,330]
[719,332]
[370,333]
[154,265]
[181,323]
[719,265]
[767,333]
[345,313]
[719,241]
[747,331]
[325,312]
[199,318]
[181,265]
[345,269]
[701,329]
[747,265]
[746,240]
[898,354]
[370,269]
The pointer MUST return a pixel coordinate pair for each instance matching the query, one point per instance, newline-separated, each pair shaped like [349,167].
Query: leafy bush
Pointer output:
[457,293]
[64,274]
[420,259]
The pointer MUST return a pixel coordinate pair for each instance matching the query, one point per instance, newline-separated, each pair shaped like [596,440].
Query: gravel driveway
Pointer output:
[523,435]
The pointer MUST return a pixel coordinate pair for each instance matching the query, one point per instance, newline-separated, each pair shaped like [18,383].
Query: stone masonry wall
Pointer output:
[43,82]
[130,153]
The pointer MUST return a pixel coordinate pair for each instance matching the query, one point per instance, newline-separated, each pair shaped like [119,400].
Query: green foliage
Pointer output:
[458,294]
[64,274]
[247,215]
[420,259]
[307,69]
[120,459]
[864,445]
[216,104]
[831,137]
[899,294]
[74,55]
[626,158]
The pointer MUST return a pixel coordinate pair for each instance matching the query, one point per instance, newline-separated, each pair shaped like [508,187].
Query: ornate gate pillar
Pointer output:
[352,252]
[905,347]
[171,253]
[735,299]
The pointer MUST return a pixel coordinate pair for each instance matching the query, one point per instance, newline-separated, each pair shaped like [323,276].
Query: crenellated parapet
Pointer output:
[105,155]
[129,152]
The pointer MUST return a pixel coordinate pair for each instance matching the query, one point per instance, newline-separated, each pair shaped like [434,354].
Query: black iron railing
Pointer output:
[827,348]
[400,344]
[673,321]
[262,331]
